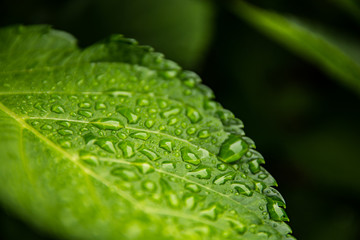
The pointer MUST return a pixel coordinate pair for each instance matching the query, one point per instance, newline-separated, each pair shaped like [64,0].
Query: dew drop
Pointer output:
[144,167]
[171,112]
[166,144]
[128,114]
[192,187]
[172,121]
[143,102]
[223,178]
[238,227]
[190,202]
[85,105]
[127,148]
[57,109]
[276,212]
[193,114]
[125,173]
[242,188]
[254,165]
[172,199]
[88,158]
[64,143]
[150,154]
[232,149]
[178,132]
[201,173]
[188,156]
[64,124]
[65,132]
[149,123]
[149,186]
[204,134]
[168,165]
[100,106]
[211,212]
[107,144]
[107,124]
[222,167]
[191,130]
[84,113]
[140,135]
[46,127]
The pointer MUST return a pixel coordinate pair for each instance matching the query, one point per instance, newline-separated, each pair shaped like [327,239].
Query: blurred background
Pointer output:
[290,70]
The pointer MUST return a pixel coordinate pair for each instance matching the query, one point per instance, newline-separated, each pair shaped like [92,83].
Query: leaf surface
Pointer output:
[116,142]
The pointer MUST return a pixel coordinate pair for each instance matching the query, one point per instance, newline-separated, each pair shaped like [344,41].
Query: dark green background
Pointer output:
[305,123]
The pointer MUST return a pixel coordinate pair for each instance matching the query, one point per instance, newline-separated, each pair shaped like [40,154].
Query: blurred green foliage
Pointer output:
[280,67]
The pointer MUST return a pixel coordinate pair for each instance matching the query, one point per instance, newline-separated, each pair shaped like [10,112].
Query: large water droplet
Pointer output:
[127,148]
[191,130]
[170,112]
[168,165]
[193,114]
[192,187]
[150,154]
[140,135]
[223,178]
[125,173]
[232,149]
[57,109]
[189,157]
[254,165]
[189,201]
[242,188]
[128,114]
[166,144]
[108,124]
[107,144]
[84,113]
[276,212]
[201,173]
[204,134]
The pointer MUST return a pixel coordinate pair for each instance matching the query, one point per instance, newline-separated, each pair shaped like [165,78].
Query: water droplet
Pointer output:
[65,132]
[168,165]
[64,143]
[191,130]
[192,187]
[242,188]
[107,143]
[170,112]
[254,165]
[128,114]
[140,135]
[275,196]
[189,201]
[211,212]
[46,127]
[149,186]
[85,105]
[178,131]
[144,167]
[162,103]
[39,106]
[189,157]
[64,124]
[125,173]
[193,114]
[172,199]
[222,167]
[149,123]
[143,102]
[276,212]
[84,113]
[107,124]
[100,106]
[150,154]
[201,173]
[88,158]
[127,148]
[237,226]
[232,149]
[166,144]
[249,141]
[57,109]
[204,134]
[263,176]
[223,178]
[172,121]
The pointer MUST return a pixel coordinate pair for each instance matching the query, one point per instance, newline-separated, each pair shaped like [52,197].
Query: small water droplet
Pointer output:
[222,167]
[128,114]
[211,212]
[201,173]
[223,178]
[168,165]
[276,212]
[125,173]
[178,131]
[100,106]
[149,123]
[150,154]
[204,134]
[232,149]
[46,127]
[162,103]
[85,105]
[140,135]
[64,143]
[149,186]
[64,124]
[192,187]
[172,199]
[107,144]
[143,102]
[193,114]
[84,113]
[107,124]
[127,148]
[166,144]
[254,165]
[263,176]
[242,188]
[88,158]
[39,106]
[189,201]
[172,121]
[191,130]
[144,167]
[189,157]
[65,132]
[171,112]
[57,109]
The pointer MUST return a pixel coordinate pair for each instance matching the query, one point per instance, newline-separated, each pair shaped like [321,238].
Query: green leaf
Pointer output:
[337,56]
[116,142]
